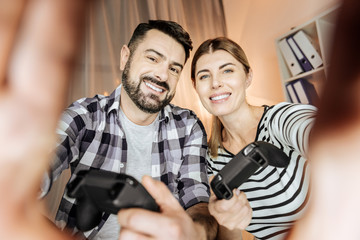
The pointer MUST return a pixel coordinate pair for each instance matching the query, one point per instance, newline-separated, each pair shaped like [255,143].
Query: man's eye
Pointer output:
[175,70]
[153,59]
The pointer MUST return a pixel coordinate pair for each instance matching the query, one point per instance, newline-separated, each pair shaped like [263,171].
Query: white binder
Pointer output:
[290,58]
[292,94]
[300,92]
[304,43]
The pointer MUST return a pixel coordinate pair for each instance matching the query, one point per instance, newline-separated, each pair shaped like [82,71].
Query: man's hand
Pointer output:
[171,223]
[335,179]
[37,47]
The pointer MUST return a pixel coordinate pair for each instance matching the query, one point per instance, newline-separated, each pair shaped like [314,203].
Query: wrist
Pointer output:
[200,231]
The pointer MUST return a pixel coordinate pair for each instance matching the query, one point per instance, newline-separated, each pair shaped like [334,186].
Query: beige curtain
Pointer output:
[109,25]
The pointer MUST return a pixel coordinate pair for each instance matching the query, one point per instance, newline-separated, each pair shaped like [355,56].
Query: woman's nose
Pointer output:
[216,83]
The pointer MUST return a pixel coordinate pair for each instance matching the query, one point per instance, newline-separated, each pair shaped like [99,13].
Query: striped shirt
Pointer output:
[278,196]
[92,137]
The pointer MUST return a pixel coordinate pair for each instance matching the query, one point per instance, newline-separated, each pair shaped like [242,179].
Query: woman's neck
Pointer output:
[240,128]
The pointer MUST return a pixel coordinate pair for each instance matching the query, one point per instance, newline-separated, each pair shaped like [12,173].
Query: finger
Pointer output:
[210,180]
[160,192]
[147,223]
[41,62]
[128,234]
[213,197]
[141,221]
[10,17]
[27,142]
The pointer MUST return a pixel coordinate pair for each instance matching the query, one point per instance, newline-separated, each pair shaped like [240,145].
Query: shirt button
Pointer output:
[121,165]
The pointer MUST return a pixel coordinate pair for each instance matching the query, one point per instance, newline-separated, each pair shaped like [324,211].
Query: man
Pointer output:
[136,131]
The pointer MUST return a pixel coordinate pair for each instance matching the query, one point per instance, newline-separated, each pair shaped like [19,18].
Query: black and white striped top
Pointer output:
[278,196]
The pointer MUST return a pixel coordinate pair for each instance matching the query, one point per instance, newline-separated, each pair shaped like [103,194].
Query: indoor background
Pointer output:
[253,24]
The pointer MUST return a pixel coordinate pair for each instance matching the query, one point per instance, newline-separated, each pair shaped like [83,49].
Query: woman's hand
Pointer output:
[234,213]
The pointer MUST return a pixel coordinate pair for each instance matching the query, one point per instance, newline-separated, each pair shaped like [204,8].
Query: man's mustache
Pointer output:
[157,82]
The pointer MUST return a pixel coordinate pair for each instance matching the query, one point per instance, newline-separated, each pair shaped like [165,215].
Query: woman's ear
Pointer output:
[249,78]
[124,56]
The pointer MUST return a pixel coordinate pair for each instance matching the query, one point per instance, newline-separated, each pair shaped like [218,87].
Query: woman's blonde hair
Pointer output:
[209,46]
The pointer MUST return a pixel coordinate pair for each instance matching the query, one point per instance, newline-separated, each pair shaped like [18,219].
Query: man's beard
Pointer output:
[139,98]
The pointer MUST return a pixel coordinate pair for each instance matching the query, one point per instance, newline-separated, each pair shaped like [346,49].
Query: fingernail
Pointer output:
[237,192]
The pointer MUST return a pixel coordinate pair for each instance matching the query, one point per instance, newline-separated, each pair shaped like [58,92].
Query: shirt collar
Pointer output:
[114,101]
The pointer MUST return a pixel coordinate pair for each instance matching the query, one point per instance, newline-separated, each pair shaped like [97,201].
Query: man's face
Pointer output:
[152,71]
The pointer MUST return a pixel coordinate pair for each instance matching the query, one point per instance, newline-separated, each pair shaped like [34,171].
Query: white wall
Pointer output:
[255,24]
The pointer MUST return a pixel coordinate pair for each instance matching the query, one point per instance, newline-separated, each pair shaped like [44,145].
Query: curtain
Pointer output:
[109,25]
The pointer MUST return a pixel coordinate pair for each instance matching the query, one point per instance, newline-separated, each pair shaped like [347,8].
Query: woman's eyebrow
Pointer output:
[226,64]
[200,71]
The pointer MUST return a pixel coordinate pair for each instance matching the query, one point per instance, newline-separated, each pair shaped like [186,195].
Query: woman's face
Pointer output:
[221,82]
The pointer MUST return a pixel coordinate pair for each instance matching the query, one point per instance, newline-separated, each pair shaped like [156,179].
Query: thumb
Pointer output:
[163,197]
[210,180]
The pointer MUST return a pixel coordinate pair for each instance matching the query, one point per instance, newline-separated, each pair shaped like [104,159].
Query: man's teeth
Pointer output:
[153,87]
[220,97]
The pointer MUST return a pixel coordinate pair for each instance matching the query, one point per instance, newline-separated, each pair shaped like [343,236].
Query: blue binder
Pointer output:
[300,56]
[302,91]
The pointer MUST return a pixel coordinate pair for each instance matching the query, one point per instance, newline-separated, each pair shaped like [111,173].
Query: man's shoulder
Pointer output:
[98,103]
[180,113]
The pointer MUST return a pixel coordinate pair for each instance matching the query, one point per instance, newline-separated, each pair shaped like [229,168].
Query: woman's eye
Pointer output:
[202,77]
[228,71]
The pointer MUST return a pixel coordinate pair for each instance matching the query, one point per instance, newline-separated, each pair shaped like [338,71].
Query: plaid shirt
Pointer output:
[91,136]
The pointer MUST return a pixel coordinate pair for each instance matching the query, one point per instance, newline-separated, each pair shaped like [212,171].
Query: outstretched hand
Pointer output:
[234,213]
[37,47]
[171,223]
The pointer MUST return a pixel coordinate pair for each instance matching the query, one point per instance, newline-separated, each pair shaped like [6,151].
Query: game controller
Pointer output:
[244,164]
[99,191]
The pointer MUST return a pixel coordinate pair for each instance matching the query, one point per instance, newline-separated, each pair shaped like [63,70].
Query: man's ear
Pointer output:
[249,78]
[124,56]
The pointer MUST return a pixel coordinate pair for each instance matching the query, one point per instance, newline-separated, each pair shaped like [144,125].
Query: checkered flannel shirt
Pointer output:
[91,136]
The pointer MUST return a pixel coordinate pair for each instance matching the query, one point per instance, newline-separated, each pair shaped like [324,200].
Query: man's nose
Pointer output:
[162,72]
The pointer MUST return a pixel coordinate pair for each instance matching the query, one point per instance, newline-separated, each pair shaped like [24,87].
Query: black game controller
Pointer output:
[244,164]
[99,191]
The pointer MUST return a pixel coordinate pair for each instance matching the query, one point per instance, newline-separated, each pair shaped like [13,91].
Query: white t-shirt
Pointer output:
[139,140]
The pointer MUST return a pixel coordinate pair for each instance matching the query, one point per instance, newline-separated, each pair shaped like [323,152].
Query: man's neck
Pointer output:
[133,113]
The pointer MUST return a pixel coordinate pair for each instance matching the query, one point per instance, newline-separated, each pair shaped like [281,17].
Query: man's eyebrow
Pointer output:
[156,52]
[164,57]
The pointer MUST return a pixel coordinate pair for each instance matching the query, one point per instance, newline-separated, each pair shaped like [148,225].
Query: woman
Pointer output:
[273,198]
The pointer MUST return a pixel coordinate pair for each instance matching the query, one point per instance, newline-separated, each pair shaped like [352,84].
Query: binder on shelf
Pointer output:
[304,43]
[302,91]
[290,58]
[304,62]
[291,93]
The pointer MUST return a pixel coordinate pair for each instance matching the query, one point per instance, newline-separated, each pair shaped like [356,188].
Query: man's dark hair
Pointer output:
[170,28]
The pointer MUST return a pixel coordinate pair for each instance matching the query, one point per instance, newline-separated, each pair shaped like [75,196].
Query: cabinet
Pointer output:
[319,30]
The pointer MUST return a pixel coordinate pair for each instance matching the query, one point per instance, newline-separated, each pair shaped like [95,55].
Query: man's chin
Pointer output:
[150,106]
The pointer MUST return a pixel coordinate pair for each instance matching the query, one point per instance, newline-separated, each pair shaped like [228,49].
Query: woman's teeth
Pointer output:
[220,97]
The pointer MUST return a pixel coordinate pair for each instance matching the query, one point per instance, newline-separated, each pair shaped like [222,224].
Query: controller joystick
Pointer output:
[99,191]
